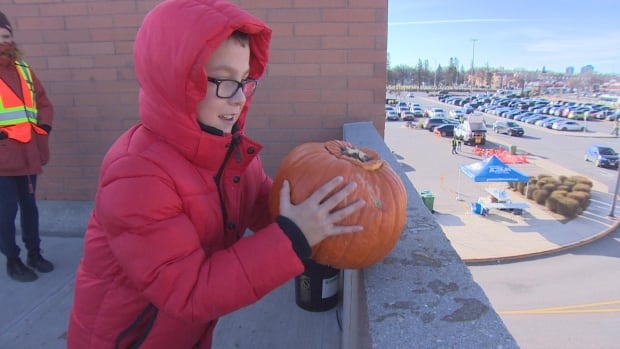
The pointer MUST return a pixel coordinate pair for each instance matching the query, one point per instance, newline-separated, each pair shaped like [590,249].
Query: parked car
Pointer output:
[456,113]
[568,125]
[445,130]
[437,113]
[508,127]
[391,115]
[602,156]
[407,115]
[431,123]
[548,123]
[417,112]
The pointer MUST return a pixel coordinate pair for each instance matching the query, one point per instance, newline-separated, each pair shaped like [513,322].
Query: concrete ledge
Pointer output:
[421,295]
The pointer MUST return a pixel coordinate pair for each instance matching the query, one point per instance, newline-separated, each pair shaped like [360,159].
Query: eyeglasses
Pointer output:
[227,88]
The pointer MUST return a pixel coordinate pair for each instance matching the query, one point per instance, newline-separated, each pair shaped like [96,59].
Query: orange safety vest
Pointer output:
[19,117]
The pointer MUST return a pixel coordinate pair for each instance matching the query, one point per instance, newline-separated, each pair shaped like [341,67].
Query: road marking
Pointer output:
[569,309]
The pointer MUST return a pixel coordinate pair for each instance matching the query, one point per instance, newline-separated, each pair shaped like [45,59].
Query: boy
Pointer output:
[164,255]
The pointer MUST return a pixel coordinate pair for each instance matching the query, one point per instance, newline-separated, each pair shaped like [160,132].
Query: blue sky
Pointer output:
[510,34]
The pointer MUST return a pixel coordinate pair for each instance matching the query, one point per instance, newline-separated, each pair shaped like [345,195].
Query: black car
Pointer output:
[602,156]
[446,130]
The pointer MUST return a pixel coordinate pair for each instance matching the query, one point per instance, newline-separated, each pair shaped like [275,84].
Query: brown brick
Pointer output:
[321,3]
[95,48]
[114,7]
[348,15]
[346,42]
[294,16]
[63,9]
[265,4]
[327,67]
[320,29]
[321,56]
[89,21]
[291,70]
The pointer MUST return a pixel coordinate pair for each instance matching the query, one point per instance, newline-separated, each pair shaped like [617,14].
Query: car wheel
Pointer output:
[563,128]
[598,163]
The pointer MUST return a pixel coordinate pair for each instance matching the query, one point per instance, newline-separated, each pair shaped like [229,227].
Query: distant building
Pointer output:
[587,69]
[570,70]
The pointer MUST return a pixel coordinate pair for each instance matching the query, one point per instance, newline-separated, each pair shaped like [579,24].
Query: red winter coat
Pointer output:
[21,159]
[162,258]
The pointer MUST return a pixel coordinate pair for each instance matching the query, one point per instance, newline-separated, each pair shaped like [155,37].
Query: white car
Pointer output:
[437,113]
[457,113]
[568,125]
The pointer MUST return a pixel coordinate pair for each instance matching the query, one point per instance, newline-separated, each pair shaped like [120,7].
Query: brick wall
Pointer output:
[327,67]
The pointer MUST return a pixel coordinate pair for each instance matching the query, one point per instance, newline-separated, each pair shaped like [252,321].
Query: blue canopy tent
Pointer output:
[492,169]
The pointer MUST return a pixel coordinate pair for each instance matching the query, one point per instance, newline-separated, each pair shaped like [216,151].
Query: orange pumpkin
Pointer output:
[310,165]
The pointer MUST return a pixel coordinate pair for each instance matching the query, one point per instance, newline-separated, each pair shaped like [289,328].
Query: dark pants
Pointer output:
[14,191]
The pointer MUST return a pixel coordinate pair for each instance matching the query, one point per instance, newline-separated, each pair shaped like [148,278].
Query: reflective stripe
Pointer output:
[18,116]
[13,110]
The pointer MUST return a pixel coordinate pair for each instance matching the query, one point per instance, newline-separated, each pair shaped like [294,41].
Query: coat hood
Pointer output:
[171,49]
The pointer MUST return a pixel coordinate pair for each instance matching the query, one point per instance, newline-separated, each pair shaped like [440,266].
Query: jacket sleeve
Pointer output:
[45,110]
[159,252]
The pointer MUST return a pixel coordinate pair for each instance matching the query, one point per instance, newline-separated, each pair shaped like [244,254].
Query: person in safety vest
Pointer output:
[26,117]
[166,251]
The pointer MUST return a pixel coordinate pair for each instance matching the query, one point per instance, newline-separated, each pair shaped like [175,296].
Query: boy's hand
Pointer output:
[315,216]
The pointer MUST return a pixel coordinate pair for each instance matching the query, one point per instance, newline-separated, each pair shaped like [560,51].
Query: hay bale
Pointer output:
[582,197]
[540,196]
[583,187]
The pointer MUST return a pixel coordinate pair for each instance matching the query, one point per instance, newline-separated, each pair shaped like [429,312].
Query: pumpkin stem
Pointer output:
[356,154]
[365,158]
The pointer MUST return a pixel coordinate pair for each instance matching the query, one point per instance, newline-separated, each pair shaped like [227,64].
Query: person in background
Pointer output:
[166,251]
[453,144]
[26,116]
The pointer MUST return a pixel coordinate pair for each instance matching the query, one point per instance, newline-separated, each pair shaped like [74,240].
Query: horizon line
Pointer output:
[465,20]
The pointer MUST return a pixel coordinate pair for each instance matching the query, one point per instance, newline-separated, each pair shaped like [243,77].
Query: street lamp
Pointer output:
[435,82]
[615,194]
[473,55]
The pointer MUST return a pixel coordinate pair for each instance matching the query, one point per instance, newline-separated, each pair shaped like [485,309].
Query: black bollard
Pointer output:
[317,288]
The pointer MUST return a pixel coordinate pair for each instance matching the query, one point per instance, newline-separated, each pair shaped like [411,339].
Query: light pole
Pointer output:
[435,82]
[615,194]
[473,55]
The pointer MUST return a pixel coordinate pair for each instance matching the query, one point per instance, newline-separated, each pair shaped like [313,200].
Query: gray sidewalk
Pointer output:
[35,315]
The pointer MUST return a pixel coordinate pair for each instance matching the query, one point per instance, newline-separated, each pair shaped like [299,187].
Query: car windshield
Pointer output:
[607,151]
[512,124]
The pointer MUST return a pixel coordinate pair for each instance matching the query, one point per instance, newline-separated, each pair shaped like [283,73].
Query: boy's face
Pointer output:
[231,60]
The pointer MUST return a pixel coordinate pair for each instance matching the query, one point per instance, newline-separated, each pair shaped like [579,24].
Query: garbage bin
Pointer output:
[429,199]
[317,288]
[513,149]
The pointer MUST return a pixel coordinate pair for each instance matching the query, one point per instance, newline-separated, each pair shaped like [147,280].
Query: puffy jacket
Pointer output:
[20,159]
[163,259]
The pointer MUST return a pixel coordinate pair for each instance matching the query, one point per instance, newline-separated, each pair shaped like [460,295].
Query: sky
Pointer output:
[510,34]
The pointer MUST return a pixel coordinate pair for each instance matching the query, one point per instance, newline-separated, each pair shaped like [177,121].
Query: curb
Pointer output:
[563,248]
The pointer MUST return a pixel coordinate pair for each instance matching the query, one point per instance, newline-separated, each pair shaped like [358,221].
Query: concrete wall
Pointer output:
[421,295]
[327,67]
